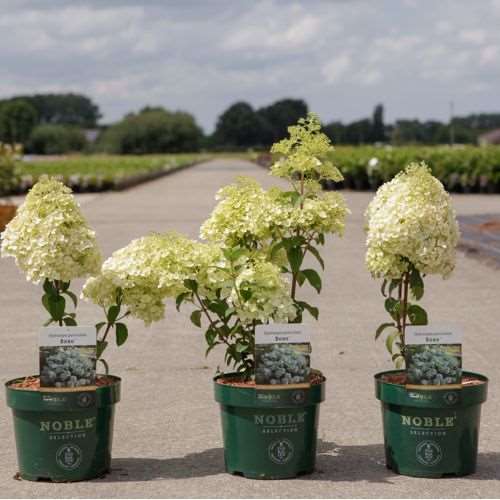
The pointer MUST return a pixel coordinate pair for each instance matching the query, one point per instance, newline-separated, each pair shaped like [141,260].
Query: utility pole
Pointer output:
[452,130]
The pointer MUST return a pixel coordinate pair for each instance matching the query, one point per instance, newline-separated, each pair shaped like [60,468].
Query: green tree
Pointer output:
[378,128]
[279,116]
[56,139]
[62,109]
[240,127]
[17,119]
[153,130]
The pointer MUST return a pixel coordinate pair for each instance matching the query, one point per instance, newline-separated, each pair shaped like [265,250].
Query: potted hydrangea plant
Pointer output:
[67,435]
[431,429]
[248,273]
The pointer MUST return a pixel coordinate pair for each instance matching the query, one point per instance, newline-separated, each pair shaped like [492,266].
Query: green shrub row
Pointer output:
[99,172]
[460,168]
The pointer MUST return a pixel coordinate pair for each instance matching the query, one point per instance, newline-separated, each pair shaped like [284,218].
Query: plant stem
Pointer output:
[404,308]
[210,320]
[108,328]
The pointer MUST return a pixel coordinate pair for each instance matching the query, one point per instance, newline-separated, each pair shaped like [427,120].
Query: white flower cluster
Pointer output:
[147,271]
[261,293]
[247,214]
[49,237]
[245,210]
[411,219]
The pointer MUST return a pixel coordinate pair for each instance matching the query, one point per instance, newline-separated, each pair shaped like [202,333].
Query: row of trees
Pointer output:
[59,123]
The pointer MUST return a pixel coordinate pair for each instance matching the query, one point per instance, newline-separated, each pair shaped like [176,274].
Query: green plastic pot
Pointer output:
[269,433]
[63,436]
[431,433]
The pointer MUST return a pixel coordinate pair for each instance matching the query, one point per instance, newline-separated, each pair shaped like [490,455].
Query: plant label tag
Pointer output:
[433,357]
[67,357]
[282,356]
[282,333]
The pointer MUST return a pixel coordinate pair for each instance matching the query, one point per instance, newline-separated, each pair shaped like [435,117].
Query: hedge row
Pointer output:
[101,172]
[465,169]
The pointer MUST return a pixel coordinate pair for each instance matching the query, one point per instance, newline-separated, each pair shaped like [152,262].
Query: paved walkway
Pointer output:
[167,435]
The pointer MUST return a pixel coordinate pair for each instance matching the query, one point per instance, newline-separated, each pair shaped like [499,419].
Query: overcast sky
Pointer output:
[341,56]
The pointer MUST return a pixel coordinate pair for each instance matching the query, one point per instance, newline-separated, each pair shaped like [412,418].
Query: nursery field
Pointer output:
[467,169]
[101,172]
[167,439]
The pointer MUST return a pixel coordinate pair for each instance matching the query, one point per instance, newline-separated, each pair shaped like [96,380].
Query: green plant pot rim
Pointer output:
[230,395]
[29,400]
[440,397]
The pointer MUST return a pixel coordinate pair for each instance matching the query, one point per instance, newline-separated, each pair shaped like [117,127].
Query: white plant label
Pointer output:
[68,336]
[436,334]
[282,333]
[67,357]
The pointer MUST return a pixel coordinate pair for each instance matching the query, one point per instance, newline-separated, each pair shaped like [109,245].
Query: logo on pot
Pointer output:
[450,398]
[298,397]
[281,451]
[85,399]
[69,456]
[429,453]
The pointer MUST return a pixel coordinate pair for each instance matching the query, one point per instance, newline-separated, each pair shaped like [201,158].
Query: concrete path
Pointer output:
[167,435]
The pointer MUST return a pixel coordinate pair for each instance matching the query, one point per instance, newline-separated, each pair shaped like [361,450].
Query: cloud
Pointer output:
[336,68]
[341,56]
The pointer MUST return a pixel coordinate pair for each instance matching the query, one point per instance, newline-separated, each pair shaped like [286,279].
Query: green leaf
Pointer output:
[295,258]
[57,304]
[321,238]
[393,307]
[276,248]
[382,288]
[101,346]
[394,284]
[391,338]
[191,285]
[417,315]
[218,308]
[210,347]
[65,285]
[180,299]
[48,287]
[121,333]
[246,294]
[301,277]
[45,302]
[314,279]
[68,321]
[293,195]
[400,363]
[233,254]
[196,318]
[416,284]
[315,252]
[241,347]
[313,311]
[98,326]
[72,296]
[113,313]
[381,328]
[210,336]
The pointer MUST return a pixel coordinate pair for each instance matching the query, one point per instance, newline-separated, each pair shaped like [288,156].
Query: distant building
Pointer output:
[91,134]
[490,138]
